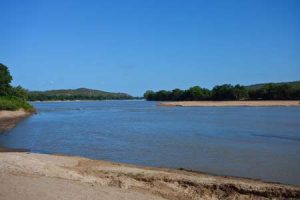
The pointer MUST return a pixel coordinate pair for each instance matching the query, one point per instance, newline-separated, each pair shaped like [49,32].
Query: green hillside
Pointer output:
[76,94]
[292,85]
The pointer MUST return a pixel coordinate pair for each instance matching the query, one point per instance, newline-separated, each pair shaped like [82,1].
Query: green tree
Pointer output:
[149,95]
[176,95]
[295,94]
[223,92]
[5,80]
[275,92]
[240,92]
[197,93]
[19,92]
[282,91]
[12,98]
[228,92]
[162,95]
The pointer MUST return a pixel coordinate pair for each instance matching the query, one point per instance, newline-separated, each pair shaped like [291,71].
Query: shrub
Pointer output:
[13,103]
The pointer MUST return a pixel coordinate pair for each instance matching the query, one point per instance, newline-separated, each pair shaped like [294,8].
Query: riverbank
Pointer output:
[9,119]
[229,103]
[40,176]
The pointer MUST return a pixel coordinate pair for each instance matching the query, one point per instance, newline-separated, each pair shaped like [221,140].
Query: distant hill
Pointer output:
[292,84]
[76,94]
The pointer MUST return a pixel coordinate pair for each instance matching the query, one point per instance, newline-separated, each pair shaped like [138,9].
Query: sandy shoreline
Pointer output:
[8,119]
[229,103]
[40,176]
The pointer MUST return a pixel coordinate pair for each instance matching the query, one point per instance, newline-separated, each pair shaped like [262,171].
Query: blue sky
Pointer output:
[135,45]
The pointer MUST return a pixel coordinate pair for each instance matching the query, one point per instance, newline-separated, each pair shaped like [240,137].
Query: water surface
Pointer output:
[254,142]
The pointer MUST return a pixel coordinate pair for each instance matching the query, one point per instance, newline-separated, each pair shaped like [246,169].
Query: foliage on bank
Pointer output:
[226,92]
[77,94]
[12,98]
[13,103]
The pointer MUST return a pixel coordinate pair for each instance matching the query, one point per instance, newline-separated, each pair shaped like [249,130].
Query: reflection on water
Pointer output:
[255,142]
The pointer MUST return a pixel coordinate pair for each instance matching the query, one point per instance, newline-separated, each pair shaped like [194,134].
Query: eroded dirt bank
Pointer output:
[40,176]
[230,103]
[8,119]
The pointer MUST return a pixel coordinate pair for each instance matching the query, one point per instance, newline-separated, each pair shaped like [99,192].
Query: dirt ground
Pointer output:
[39,176]
[8,119]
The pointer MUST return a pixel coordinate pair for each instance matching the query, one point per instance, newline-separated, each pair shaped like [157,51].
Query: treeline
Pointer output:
[77,94]
[12,98]
[227,92]
[45,97]
[50,97]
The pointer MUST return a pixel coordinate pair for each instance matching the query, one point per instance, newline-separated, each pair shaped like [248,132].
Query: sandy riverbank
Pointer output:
[230,103]
[38,176]
[8,119]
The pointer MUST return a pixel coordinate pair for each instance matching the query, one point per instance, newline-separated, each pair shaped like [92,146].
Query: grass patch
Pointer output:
[13,103]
